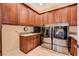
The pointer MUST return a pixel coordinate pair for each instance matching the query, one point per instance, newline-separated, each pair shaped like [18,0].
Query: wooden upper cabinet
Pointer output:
[72,15]
[9,13]
[37,20]
[31,17]
[45,18]
[22,14]
[41,20]
[64,16]
[50,17]
[57,16]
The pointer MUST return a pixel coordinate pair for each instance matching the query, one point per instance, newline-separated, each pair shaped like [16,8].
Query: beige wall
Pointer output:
[10,38]
[72,29]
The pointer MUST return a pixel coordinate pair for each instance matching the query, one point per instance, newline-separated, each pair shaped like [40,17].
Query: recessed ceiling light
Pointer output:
[40,4]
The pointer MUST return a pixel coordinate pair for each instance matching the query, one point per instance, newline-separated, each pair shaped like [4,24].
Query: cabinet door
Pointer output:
[73,50]
[37,20]
[50,17]
[45,18]
[24,44]
[0,33]
[22,14]
[30,43]
[38,40]
[9,13]
[35,41]
[64,16]
[72,15]
[41,19]
[57,16]
[31,17]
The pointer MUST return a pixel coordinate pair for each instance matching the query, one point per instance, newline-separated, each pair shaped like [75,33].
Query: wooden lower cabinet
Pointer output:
[36,40]
[27,43]
[73,49]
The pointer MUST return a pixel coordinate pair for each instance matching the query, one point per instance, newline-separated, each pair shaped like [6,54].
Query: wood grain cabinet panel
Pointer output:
[13,13]
[29,42]
[0,32]
[73,50]
[22,14]
[24,44]
[31,17]
[37,20]
[51,17]
[45,18]
[38,40]
[9,13]
[35,41]
[72,15]
[60,16]
[41,19]
[57,16]
[64,16]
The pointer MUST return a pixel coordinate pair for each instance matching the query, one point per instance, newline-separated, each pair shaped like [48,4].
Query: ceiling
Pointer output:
[43,7]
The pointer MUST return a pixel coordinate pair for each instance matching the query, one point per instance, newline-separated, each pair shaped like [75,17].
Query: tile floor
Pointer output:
[39,51]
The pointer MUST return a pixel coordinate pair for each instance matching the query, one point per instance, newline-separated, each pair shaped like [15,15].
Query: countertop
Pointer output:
[28,34]
[73,35]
